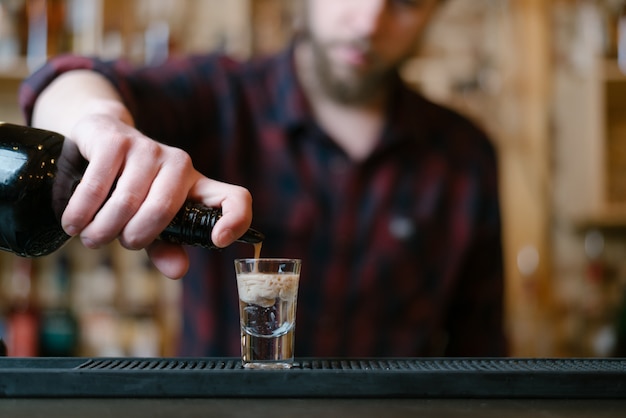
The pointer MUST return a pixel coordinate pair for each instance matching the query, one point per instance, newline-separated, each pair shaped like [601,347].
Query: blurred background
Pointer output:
[545,78]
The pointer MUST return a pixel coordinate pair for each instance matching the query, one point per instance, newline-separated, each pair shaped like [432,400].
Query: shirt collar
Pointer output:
[403,108]
[293,108]
[406,112]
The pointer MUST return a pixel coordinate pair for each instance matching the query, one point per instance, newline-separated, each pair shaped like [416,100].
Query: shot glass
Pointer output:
[268,291]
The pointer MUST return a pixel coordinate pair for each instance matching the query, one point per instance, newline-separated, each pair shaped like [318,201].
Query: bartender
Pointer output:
[390,200]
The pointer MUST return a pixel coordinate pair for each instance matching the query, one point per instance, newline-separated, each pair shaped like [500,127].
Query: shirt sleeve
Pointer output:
[34,85]
[176,103]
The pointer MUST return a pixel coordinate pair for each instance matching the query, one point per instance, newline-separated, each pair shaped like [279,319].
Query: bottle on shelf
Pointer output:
[40,170]
[59,331]
[23,319]
[621,38]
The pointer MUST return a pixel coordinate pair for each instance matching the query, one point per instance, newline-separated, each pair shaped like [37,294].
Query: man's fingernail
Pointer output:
[88,243]
[225,238]
[71,230]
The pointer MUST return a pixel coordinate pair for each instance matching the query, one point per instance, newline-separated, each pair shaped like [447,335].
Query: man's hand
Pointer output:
[133,186]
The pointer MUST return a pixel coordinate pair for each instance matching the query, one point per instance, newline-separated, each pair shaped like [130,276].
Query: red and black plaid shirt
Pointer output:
[401,252]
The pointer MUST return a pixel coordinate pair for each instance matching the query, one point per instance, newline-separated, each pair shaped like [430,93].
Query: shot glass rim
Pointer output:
[278,259]
[295,263]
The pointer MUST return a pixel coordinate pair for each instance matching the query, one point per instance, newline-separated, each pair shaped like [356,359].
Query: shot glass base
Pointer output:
[267,365]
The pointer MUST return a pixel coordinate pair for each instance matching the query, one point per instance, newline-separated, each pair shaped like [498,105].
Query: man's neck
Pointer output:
[355,126]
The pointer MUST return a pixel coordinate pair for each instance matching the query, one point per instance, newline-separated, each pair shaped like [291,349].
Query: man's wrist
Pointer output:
[109,107]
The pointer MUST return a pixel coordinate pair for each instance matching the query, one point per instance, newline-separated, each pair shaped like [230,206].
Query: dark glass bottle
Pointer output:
[39,171]
[3,348]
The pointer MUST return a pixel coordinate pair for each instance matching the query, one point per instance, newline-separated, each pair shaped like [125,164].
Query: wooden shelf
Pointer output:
[612,72]
[609,219]
[17,70]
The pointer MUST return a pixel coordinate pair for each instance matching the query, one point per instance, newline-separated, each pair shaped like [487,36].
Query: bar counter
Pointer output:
[186,387]
[314,408]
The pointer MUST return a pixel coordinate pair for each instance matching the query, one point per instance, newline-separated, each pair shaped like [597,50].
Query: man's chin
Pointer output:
[352,87]
[349,93]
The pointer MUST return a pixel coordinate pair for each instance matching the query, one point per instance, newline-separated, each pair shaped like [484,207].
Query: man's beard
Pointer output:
[357,87]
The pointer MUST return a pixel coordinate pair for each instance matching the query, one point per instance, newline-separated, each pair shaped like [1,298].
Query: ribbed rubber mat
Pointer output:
[321,378]
[423,365]
[159,365]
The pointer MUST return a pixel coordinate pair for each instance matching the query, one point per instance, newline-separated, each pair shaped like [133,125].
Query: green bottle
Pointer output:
[39,170]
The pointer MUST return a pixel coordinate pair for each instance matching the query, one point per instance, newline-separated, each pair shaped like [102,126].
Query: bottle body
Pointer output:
[29,160]
[39,170]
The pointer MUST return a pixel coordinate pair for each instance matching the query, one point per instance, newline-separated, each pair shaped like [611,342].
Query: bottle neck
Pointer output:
[194,223]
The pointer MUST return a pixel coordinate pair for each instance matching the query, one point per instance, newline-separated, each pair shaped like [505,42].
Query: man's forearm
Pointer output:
[76,94]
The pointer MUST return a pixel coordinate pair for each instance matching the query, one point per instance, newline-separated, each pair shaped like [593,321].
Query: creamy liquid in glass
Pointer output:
[267,310]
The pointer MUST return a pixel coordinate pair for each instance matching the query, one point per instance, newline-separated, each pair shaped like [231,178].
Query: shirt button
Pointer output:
[401,228]
[338,166]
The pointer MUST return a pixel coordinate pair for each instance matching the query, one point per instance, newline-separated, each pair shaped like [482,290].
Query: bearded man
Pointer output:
[390,200]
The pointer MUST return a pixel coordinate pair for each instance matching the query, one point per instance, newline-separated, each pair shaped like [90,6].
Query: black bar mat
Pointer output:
[314,378]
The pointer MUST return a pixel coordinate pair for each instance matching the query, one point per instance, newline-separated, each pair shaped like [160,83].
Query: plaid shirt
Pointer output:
[401,252]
